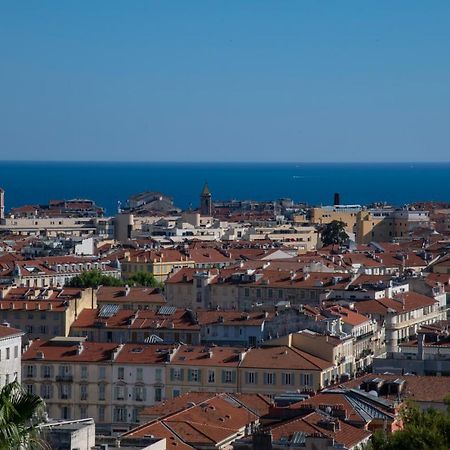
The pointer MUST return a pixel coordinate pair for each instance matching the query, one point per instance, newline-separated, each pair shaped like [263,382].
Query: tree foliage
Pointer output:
[334,233]
[93,279]
[423,430]
[21,415]
[143,279]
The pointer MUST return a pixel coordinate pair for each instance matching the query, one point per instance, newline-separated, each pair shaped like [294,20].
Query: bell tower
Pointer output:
[2,204]
[206,201]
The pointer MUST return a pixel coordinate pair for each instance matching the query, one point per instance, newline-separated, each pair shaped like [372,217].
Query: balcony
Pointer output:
[64,378]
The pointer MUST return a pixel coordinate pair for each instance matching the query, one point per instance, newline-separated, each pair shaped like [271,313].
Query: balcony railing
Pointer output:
[64,378]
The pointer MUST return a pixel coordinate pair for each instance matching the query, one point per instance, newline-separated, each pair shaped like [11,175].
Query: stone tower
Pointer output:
[206,201]
[2,204]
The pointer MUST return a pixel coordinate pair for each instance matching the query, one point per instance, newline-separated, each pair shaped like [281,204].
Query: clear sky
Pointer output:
[225,80]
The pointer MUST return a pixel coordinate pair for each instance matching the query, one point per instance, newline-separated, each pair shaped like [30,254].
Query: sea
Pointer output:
[313,183]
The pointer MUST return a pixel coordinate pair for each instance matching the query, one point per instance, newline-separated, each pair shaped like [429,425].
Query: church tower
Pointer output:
[2,204]
[206,201]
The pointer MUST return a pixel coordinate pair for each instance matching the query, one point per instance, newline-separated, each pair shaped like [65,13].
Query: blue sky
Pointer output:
[225,80]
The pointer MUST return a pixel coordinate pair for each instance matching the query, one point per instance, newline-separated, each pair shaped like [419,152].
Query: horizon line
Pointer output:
[213,162]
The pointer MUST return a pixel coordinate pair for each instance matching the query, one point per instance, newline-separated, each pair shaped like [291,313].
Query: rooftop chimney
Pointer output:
[337,199]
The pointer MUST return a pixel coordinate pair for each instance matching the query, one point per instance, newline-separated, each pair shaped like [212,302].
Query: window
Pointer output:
[246,292]
[120,373]
[158,394]
[176,393]
[194,375]
[251,377]
[65,392]
[287,378]
[83,392]
[158,374]
[227,376]
[7,378]
[102,373]
[46,391]
[65,412]
[16,351]
[135,415]
[252,341]
[306,379]
[269,378]
[7,352]
[120,393]
[140,394]
[139,374]
[101,391]
[84,372]
[64,371]
[101,413]
[83,411]
[46,372]
[30,371]
[30,388]
[176,374]
[211,376]
[120,414]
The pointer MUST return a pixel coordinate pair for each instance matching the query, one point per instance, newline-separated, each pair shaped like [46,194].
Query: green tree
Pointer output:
[143,279]
[423,430]
[93,279]
[334,233]
[21,417]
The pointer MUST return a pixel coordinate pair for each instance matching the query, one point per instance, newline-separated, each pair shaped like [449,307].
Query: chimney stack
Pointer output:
[337,199]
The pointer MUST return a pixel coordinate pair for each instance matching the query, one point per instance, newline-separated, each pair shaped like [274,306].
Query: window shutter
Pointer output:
[233,376]
[223,376]
[181,374]
[199,375]
[189,374]
[116,392]
[172,374]
[265,378]
[256,377]
[274,378]
[144,394]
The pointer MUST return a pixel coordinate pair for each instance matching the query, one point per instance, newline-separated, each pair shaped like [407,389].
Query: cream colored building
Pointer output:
[386,224]
[109,382]
[279,369]
[203,369]
[57,226]
[159,263]
[43,313]
[341,213]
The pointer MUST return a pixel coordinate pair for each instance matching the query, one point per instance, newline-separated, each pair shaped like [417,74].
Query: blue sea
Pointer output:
[313,183]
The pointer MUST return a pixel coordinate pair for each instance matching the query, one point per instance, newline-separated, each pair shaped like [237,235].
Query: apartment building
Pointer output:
[43,312]
[57,226]
[341,213]
[245,289]
[112,324]
[402,315]
[132,298]
[159,263]
[108,382]
[198,368]
[386,224]
[280,369]
[10,354]
[53,271]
